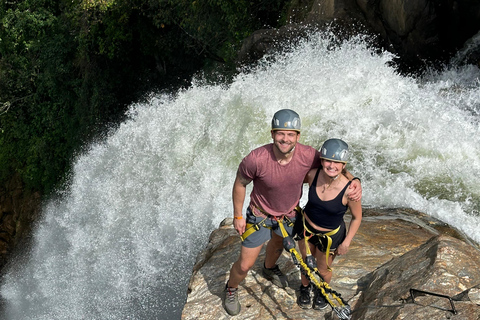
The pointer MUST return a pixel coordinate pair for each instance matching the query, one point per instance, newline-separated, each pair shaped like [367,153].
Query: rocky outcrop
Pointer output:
[394,252]
[415,30]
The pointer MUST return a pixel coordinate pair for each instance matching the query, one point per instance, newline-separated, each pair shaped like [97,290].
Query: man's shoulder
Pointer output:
[258,154]
[266,148]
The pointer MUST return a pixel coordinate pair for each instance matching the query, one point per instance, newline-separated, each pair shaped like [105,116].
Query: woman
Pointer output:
[320,228]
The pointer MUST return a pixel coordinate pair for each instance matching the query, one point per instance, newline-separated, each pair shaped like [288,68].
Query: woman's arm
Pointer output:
[356,210]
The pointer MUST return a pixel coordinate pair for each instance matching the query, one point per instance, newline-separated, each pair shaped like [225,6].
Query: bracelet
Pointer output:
[236,217]
[356,178]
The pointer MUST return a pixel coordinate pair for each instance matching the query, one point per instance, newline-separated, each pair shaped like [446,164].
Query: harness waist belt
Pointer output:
[252,227]
[320,235]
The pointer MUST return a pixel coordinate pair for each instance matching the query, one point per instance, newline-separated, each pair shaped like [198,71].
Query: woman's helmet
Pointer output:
[286,119]
[334,150]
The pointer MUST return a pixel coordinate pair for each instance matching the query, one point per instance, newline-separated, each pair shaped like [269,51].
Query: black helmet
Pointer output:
[286,119]
[334,150]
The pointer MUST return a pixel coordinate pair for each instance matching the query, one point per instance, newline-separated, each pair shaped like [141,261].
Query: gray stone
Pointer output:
[393,252]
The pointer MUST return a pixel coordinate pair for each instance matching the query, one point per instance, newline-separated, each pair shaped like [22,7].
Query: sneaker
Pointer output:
[230,301]
[319,301]
[304,299]
[276,276]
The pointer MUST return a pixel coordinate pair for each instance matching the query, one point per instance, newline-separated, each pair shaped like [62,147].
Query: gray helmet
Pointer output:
[286,119]
[334,150]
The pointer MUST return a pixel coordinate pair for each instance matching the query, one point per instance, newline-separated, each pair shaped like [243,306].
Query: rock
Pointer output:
[393,252]
[415,30]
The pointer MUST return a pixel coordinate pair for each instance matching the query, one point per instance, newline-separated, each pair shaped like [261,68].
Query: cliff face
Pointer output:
[18,211]
[417,31]
[393,252]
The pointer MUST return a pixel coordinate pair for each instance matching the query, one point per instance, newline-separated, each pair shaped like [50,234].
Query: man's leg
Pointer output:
[238,272]
[245,262]
[270,269]
[273,251]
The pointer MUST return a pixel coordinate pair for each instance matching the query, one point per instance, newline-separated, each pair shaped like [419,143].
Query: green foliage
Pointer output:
[69,69]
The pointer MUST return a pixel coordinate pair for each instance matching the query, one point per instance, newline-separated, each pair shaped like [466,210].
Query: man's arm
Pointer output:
[238,195]
[356,193]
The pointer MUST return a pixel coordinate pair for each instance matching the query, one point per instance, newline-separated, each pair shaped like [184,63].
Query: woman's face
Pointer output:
[332,168]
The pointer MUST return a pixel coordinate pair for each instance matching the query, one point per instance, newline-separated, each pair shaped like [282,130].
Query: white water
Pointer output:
[121,242]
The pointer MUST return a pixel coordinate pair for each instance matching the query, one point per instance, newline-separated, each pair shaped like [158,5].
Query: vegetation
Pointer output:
[69,69]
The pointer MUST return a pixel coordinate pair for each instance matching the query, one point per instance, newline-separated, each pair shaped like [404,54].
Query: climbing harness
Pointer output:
[326,235]
[308,268]
[252,227]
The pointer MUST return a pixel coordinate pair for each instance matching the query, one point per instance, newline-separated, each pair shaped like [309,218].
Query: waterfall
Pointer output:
[471,47]
[120,240]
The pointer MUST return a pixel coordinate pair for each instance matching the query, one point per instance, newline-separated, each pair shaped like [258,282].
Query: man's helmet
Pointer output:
[334,150]
[286,119]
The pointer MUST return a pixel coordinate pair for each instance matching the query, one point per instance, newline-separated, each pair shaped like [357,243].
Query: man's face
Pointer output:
[285,140]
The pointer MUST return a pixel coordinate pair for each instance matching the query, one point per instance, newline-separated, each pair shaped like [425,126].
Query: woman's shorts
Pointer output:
[318,240]
[264,234]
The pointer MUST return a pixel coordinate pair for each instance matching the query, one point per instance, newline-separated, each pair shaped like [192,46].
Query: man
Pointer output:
[278,171]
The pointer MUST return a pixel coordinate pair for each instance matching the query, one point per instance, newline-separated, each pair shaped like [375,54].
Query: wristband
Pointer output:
[236,217]
[356,178]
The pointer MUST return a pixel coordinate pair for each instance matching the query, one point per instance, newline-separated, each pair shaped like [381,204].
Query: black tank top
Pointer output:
[326,214]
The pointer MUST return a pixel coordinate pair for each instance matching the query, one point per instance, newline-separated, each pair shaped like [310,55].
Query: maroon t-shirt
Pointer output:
[277,188]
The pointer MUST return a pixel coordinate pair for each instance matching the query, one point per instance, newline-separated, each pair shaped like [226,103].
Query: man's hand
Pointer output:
[355,193]
[239,225]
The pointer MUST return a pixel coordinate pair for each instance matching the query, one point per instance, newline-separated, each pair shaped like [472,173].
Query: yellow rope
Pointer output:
[321,285]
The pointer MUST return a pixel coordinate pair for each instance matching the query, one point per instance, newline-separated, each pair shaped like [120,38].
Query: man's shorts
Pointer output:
[264,234]
[318,241]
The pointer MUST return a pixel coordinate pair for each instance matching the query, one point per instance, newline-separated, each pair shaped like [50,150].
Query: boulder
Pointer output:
[402,264]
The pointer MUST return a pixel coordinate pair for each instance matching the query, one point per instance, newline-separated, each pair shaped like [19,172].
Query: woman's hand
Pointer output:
[342,249]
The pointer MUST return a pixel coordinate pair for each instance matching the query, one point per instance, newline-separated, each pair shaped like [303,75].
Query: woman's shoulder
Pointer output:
[345,183]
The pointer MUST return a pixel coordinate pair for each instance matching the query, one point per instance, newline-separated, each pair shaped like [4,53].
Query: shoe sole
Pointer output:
[319,308]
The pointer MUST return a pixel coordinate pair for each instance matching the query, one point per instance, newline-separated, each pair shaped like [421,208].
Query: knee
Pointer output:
[242,266]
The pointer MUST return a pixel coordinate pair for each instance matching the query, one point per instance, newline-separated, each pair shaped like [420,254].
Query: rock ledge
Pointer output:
[394,251]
